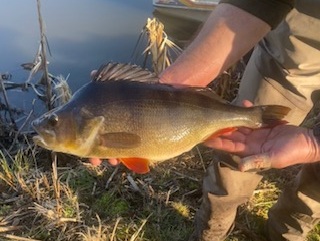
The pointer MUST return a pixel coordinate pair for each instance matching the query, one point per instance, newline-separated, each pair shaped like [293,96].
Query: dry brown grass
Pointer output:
[71,201]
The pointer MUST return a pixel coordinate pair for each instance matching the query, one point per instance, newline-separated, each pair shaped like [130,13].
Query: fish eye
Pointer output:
[53,119]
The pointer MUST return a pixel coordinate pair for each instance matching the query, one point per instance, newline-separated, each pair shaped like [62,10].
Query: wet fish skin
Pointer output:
[121,115]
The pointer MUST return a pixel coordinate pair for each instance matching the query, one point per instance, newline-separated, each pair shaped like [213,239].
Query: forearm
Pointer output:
[222,41]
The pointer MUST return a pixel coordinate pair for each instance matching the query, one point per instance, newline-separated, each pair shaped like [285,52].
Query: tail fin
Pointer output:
[273,115]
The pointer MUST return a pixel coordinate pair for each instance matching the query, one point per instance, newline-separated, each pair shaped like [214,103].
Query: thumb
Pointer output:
[255,163]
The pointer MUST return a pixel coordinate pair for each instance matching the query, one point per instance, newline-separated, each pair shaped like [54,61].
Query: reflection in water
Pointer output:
[82,35]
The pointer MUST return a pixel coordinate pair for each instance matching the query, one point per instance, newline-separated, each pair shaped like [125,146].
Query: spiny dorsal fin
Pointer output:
[118,71]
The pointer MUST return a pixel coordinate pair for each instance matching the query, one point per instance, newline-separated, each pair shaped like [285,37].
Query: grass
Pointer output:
[70,201]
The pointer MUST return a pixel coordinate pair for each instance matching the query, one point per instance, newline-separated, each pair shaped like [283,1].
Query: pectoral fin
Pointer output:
[120,140]
[138,165]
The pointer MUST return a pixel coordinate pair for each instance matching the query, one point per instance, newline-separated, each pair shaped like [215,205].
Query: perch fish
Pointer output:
[125,113]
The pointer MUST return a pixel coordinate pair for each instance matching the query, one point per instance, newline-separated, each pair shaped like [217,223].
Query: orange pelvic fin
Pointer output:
[138,165]
[222,131]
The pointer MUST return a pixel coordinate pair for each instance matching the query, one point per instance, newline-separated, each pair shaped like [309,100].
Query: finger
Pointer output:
[219,143]
[245,130]
[226,145]
[113,161]
[95,161]
[255,163]
[247,103]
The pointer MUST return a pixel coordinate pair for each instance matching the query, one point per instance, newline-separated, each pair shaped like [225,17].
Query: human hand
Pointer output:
[271,147]
[95,161]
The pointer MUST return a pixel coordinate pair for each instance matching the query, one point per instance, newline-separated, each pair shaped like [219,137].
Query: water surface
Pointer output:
[82,34]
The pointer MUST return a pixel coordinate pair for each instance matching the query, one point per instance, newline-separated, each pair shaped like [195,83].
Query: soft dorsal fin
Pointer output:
[118,71]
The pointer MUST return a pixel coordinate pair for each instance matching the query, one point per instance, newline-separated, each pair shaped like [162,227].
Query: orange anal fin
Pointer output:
[222,131]
[138,165]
